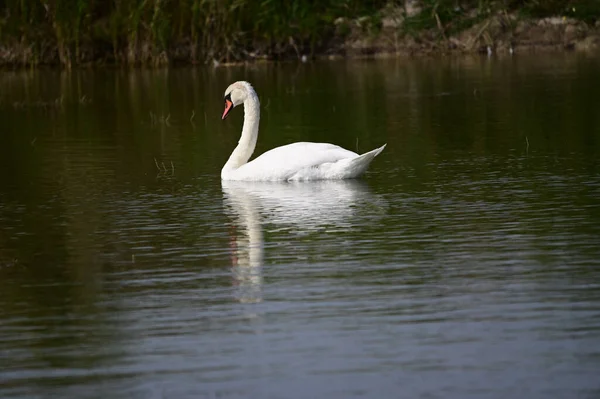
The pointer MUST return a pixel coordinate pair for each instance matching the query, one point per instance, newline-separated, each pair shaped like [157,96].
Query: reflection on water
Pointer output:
[306,206]
[301,206]
[246,243]
[464,265]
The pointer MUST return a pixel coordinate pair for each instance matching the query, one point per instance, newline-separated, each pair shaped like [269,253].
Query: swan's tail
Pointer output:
[360,164]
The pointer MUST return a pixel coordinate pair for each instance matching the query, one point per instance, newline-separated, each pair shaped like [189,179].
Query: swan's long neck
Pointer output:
[247,142]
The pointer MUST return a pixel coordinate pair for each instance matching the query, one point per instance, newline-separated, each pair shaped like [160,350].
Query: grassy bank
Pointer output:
[158,32]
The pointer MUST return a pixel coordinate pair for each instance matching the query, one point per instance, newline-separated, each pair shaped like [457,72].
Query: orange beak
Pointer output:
[228,107]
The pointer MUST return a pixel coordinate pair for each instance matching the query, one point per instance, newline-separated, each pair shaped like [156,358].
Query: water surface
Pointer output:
[466,264]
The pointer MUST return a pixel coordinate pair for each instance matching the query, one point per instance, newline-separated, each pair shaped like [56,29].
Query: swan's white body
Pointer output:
[297,161]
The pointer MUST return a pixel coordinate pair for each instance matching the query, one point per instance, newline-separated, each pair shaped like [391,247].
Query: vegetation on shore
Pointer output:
[157,32]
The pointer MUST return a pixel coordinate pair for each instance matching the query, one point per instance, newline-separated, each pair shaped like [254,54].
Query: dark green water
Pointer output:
[466,263]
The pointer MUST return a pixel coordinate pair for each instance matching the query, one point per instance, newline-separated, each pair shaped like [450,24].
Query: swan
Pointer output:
[297,161]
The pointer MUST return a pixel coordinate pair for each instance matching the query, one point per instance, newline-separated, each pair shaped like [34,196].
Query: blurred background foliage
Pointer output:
[160,31]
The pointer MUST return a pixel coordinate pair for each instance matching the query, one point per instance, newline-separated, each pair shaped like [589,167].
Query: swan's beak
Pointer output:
[228,107]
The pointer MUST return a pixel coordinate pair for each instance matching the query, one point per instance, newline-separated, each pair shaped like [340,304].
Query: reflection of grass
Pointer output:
[162,169]
[46,104]
[160,119]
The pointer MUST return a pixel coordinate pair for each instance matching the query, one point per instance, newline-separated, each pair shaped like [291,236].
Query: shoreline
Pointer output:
[501,33]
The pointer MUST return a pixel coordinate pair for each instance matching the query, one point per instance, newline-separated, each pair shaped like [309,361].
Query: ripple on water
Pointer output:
[464,265]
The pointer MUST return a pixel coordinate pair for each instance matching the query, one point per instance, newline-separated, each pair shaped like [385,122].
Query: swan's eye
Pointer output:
[228,97]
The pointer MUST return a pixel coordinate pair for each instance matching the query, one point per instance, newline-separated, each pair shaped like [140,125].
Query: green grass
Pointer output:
[75,32]
[454,16]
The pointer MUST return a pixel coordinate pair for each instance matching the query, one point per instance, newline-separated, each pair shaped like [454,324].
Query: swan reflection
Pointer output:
[303,206]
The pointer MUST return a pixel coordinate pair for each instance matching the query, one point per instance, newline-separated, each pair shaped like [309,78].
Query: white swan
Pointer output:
[297,161]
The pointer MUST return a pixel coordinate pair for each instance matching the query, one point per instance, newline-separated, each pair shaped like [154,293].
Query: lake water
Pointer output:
[465,264]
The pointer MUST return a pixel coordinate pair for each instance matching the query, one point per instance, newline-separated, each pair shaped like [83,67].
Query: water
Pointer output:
[466,264]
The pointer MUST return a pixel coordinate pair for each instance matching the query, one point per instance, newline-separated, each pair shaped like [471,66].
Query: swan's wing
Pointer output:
[305,154]
[284,162]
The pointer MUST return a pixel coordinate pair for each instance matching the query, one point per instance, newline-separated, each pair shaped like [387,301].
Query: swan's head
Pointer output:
[236,94]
